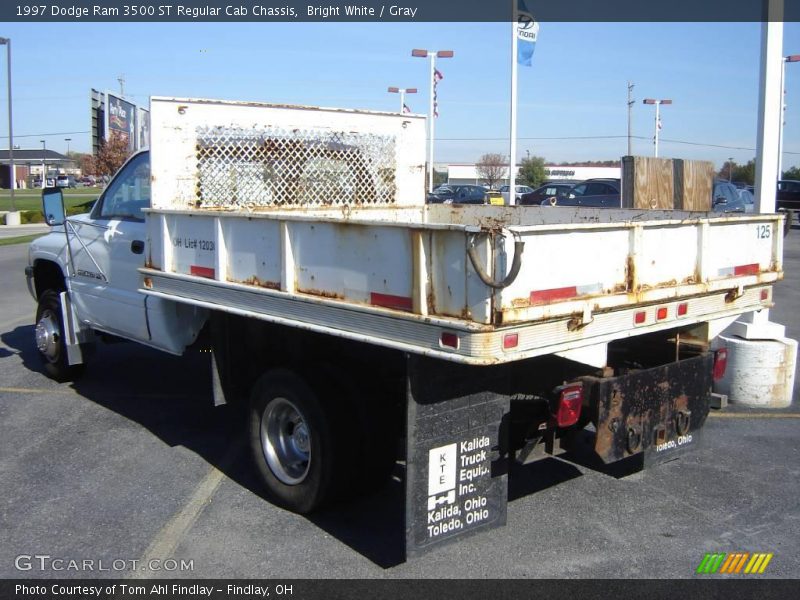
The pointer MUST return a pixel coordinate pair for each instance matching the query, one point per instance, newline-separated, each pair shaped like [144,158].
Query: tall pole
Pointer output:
[12,171]
[432,118]
[655,139]
[783,116]
[44,164]
[630,106]
[68,140]
[512,152]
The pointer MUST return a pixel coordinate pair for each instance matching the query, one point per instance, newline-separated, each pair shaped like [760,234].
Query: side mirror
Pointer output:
[53,206]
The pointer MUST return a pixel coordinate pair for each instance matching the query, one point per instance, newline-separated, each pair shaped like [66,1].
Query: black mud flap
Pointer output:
[456,474]
[656,412]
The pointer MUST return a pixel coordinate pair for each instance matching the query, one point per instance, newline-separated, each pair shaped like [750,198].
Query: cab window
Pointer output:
[129,192]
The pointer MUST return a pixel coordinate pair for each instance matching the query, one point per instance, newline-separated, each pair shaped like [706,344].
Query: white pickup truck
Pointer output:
[350,318]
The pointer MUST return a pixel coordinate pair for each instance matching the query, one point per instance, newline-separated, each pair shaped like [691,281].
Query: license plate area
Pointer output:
[656,411]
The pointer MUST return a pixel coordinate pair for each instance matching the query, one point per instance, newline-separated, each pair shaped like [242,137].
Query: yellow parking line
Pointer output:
[755,415]
[16,390]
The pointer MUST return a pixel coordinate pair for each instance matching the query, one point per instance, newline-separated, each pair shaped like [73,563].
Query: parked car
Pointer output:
[596,193]
[458,194]
[788,197]
[520,190]
[726,199]
[66,181]
[545,192]
[749,200]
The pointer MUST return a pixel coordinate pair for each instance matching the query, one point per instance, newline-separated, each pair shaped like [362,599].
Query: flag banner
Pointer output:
[437,77]
[658,124]
[527,33]
[406,109]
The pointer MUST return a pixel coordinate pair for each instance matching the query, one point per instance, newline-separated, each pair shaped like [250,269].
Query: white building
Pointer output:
[462,173]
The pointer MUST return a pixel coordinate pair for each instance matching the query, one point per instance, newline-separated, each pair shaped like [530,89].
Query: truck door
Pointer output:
[108,252]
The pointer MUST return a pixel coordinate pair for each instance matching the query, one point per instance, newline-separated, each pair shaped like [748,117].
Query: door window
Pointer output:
[129,192]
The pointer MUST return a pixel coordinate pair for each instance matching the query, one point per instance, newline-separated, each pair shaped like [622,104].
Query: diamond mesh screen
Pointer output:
[270,166]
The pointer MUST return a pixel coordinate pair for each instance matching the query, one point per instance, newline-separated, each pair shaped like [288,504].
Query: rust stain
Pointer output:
[630,274]
[521,302]
[322,294]
[604,440]
[271,285]
[148,283]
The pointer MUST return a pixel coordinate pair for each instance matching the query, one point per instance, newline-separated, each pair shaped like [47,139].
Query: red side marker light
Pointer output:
[449,340]
[639,317]
[661,313]
[510,340]
[683,309]
[720,363]
[569,405]
[764,295]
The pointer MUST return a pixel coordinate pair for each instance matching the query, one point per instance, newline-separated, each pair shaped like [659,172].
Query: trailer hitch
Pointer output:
[516,263]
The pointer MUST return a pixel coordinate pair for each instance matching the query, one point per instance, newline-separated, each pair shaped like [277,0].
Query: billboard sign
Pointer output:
[111,114]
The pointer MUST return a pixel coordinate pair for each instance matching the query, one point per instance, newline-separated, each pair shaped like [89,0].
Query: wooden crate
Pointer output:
[647,183]
[694,180]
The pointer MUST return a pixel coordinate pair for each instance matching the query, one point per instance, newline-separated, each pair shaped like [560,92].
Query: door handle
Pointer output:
[137,246]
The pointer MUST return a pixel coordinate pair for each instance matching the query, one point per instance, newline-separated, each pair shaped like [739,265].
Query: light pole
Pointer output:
[68,140]
[13,172]
[630,106]
[44,164]
[786,59]
[402,92]
[658,104]
[418,53]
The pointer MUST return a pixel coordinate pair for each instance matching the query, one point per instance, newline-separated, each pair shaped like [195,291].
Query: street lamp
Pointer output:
[418,53]
[44,163]
[402,92]
[786,59]
[658,104]
[13,172]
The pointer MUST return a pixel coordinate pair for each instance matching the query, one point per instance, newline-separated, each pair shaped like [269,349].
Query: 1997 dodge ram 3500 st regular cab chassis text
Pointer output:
[352,319]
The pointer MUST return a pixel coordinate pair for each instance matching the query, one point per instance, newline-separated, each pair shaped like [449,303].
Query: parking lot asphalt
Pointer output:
[133,462]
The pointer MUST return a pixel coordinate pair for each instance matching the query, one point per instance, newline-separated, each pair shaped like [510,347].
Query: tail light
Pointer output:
[569,405]
[720,363]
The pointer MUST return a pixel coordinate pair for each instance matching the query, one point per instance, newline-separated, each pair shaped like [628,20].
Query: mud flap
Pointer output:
[456,475]
[656,412]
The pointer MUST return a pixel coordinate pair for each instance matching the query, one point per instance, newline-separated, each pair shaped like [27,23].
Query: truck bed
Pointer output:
[403,277]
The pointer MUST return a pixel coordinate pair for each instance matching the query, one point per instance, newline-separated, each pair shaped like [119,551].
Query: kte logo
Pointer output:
[734,563]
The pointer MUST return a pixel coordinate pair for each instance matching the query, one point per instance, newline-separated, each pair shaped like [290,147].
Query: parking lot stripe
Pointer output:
[755,415]
[171,534]
[16,390]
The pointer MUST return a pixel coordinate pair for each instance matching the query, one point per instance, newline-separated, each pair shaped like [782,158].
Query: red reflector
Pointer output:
[661,313]
[542,296]
[391,301]
[746,269]
[683,309]
[640,317]
[449,339]
[720,363]
[510,340]
[764,294]
[201,271]
[569,405]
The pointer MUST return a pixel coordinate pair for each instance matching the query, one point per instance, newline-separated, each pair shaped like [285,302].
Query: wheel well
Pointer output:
[47,275]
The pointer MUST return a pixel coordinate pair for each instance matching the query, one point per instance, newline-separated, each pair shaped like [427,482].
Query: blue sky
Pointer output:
[576,86]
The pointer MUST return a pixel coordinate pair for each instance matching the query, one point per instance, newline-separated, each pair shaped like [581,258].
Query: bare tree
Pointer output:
[110,156]
[492,168]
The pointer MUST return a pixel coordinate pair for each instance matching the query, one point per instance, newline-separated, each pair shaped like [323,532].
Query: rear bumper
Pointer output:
[652,411]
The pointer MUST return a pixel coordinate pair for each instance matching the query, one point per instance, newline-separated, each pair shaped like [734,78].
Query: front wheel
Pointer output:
[293,441]
[50,339]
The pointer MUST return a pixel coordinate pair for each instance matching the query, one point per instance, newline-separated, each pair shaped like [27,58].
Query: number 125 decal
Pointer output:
[763,231]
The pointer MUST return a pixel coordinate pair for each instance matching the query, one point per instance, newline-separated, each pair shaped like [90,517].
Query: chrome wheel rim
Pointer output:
[47,335]
[286,441]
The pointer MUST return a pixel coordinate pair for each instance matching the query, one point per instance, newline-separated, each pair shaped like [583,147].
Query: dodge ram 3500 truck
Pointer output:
[351,318]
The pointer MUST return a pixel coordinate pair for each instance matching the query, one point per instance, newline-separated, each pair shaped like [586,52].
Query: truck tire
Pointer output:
[49,337]
[293,442]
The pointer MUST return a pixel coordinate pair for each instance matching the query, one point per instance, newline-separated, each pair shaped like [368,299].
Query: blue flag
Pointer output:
[527,32]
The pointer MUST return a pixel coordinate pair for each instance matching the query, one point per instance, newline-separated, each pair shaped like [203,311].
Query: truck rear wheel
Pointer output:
[292,442]
[50,339]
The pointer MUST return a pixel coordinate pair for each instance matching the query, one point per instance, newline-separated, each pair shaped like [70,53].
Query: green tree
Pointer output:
[793,173]
[531,171]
